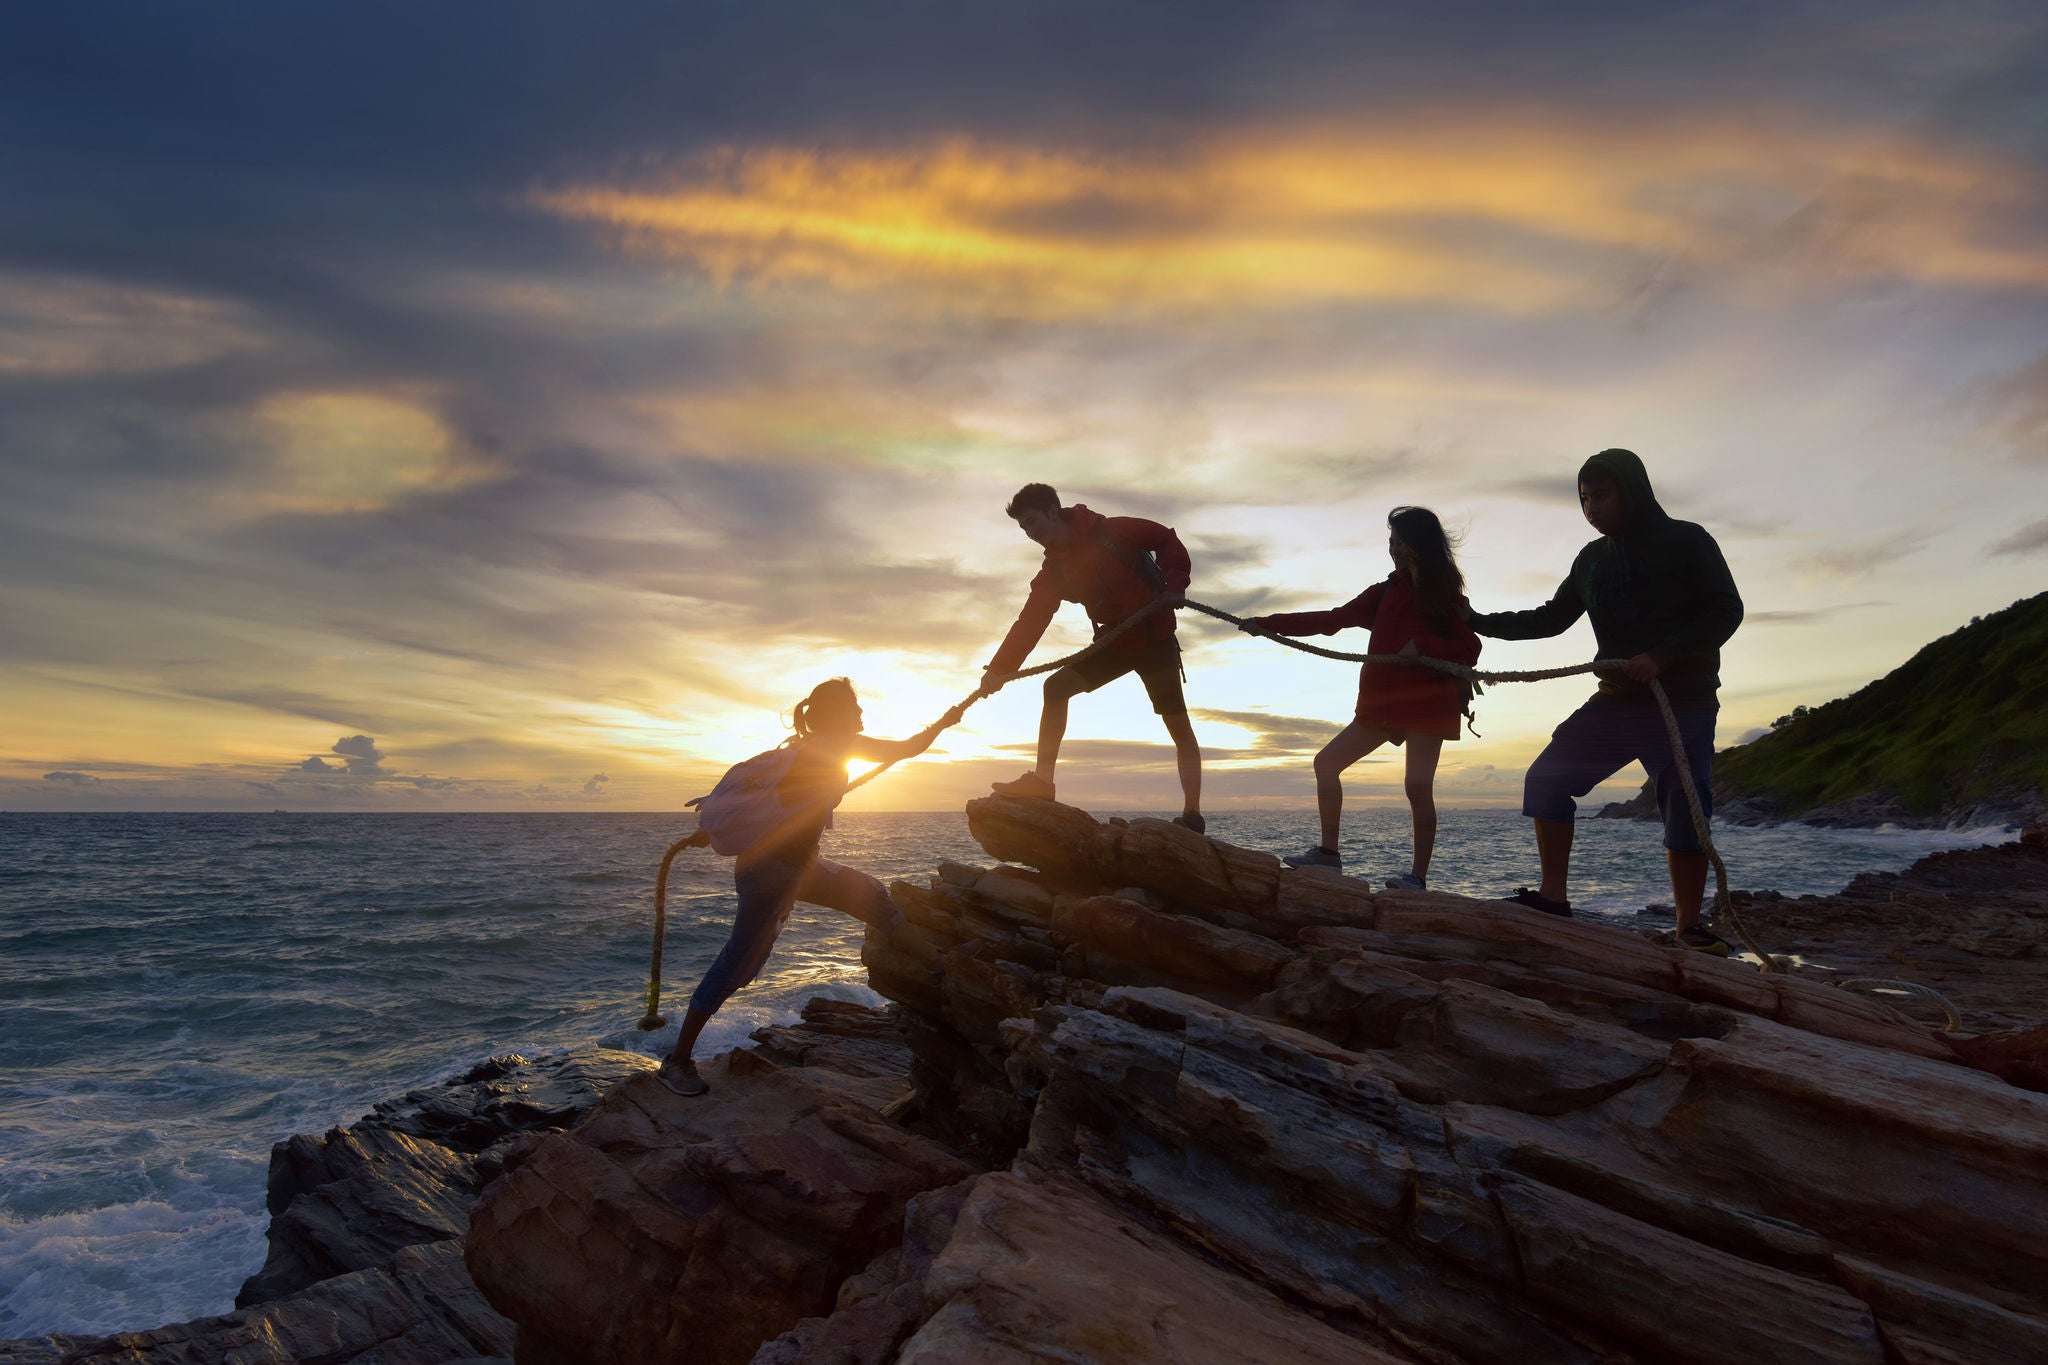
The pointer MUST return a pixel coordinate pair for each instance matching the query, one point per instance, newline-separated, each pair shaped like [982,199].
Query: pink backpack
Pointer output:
[746,805]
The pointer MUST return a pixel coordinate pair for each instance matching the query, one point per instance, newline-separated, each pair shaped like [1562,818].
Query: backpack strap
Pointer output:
[1136,560]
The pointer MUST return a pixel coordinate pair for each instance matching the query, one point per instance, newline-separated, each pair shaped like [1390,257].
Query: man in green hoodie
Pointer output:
[1660,596]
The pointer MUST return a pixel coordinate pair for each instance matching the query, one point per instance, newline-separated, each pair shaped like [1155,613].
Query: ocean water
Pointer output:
[178,992]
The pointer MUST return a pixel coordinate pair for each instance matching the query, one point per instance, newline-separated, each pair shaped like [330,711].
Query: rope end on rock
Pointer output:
[652,1022]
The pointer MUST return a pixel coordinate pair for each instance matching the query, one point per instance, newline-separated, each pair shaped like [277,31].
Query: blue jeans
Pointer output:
[1606,735]
[769,888]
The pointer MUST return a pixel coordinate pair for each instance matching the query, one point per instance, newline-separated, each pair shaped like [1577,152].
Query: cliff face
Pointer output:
[1169,1100]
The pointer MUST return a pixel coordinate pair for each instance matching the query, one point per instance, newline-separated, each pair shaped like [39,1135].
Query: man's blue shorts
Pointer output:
[1606,735]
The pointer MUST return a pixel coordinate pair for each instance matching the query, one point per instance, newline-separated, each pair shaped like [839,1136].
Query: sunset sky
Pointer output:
[519,406]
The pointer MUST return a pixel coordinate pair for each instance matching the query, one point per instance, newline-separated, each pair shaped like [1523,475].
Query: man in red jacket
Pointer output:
[1112,566]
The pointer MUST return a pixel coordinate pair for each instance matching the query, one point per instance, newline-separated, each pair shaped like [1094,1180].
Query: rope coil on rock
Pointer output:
[1877,984]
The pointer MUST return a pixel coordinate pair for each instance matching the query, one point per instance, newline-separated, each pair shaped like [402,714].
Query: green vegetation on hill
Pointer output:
[1962,722]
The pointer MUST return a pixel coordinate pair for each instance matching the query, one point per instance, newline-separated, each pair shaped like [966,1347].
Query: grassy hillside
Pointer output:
[1963,721]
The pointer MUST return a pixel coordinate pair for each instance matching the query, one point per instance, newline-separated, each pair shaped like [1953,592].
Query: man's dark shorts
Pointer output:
[1157,666]
[1606,735]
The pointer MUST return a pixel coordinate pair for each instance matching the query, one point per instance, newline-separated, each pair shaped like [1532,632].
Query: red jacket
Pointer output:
[1396,696]
[1087,571]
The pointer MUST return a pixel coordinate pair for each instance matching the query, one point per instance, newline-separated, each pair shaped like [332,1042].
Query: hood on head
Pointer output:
[1625,467]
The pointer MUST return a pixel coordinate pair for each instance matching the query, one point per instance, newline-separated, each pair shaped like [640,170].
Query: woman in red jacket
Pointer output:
[1419,609]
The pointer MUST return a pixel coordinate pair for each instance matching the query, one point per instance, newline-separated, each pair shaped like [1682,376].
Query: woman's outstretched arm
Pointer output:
[870,749]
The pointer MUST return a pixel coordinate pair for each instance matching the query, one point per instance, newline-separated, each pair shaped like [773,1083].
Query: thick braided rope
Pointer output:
[1100,643]
[1886,983]
[1723,902]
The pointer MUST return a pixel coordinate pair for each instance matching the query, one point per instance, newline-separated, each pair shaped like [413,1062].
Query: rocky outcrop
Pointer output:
[417,1310]
[1971,924]
[1170,1100]
[665,1229]
[365,1261]
[407,1173]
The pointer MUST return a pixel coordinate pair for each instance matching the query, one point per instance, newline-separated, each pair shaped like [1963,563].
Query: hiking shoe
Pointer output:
[681,1078]
[1315,857]
[1530,898]
[1406,881]
[1031,785]
[1701,939]
[1192,820]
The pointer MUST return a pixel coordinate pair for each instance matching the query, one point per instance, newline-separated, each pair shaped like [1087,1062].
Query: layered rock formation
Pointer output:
[365,1262]
[1169,1100]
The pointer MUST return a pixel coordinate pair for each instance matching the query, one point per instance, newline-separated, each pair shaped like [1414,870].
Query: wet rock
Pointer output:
[508,1095]
[420,1310]
[383,1191]
[404,1174]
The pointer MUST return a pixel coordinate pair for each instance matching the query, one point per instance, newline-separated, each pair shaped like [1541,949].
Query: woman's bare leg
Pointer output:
[1423,752]
[1345,748]
[686,1037]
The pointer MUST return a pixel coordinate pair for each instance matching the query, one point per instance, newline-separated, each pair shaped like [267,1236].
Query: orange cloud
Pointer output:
[1498,215]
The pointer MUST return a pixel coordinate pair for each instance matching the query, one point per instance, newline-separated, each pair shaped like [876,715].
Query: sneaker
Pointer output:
[1315,857]
[681,1078]
[1031,785]
[1701,939]
[1530,898]
[1407,881]
[1193,821]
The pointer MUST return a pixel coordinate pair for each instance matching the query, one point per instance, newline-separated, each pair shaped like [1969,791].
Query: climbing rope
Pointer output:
[1879,984]
[1724,906]
[654,1019]
[1724,903]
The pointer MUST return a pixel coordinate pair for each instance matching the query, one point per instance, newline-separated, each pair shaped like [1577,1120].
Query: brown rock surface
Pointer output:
[664,1229]
[1228,1111]
[420,1310]
[1972,924]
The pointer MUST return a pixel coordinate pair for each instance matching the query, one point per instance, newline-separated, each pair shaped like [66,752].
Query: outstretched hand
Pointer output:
[1174,599]
[953,715]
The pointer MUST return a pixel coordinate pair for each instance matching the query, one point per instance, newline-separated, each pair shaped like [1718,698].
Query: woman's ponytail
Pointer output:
[827,694]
